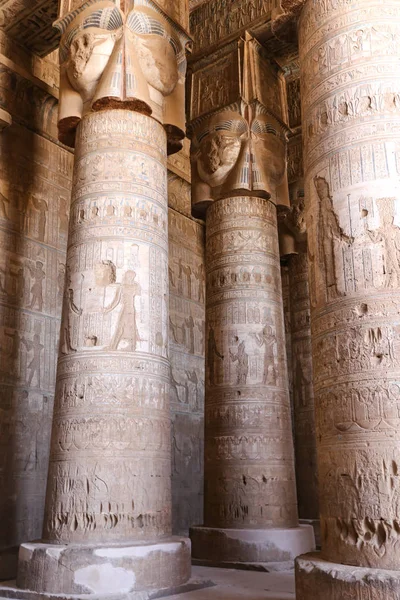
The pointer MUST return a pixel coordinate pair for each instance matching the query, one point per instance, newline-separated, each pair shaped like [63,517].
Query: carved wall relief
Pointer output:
[35,180]
[186,353]
[215,22]
[133,58]
[351,115]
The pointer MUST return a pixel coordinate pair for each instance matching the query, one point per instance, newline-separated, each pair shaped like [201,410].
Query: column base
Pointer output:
[258,549]
[103,571]
[316,524]
[316,578]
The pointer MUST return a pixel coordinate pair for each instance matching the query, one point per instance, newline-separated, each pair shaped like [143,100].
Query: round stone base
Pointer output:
[316,578]
[220,546]
[104,570]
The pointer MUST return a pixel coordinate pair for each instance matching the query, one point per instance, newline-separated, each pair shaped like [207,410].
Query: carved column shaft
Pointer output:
[303,394]
[108,510]
[111,426]
[239,176]
[249,470]
[349,55]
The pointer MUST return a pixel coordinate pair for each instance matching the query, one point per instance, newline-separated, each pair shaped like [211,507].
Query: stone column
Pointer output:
[108,510]
[238,166]
[293,226]
[349,55]
[303,394]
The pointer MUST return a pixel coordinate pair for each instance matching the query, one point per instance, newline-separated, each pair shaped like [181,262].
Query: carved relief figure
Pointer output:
[389,235]
[201,278]
[3,202]
[38,274]
[267,339]
[212,353]
[189,322]
[34,366]
[69,307]
[242,358]
[38,210]
[329,232]
[126,328]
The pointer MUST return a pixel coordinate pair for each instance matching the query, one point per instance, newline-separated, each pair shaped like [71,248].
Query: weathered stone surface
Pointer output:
[186,353]
[35,181]
[219,546]
[317,579]
[216,22]
[113,372]
[249,473]
[87,570]
[349,53]
[130,56]
[303,393]
[30,23]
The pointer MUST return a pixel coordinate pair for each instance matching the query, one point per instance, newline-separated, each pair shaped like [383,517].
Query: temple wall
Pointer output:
[35,180]
[186,326]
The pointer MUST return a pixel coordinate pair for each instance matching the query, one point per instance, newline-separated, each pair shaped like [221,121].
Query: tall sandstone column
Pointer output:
[108,510]
[238,170]
[349,55]
[293,245]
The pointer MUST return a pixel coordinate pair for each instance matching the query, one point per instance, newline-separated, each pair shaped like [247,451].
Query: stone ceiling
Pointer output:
[30,22]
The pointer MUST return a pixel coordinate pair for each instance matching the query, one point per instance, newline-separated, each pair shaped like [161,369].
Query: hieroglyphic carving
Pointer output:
[132,57]
[27,102]
[35,180]
[114,351]
[31,24]
[348,53]
[303,394]
[215,21]
[246,381]
[177,10]
[186,353]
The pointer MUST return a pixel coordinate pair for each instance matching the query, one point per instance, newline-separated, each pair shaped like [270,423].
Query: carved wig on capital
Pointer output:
[134,61]
[240,149]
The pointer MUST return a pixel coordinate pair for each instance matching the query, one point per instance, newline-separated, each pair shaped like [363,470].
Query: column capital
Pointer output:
[238,126]
[121,54]
[291,228]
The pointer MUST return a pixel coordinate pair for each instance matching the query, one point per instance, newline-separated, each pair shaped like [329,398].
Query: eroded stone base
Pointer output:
[317,579]
[223,547]
[104,570]
[316,525]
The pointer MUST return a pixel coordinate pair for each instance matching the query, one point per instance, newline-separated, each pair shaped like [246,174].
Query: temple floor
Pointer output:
[233,584]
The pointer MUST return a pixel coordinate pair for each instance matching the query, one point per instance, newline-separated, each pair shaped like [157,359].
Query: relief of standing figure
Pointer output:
[267,339]
[34,366]
[69,307]
[242,358]
[212,353]
[38,274]
[126,328]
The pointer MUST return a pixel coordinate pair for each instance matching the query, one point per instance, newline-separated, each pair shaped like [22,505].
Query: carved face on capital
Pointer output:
[89,54]
[218,155]
[133,57]
[218,147]
[234,151]
[269,151]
